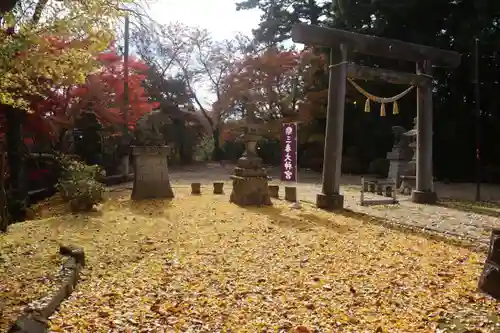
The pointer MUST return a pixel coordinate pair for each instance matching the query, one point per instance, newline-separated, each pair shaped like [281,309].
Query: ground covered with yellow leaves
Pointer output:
[201,264]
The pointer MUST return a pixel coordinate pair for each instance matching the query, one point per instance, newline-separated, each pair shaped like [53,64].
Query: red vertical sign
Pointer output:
[289,152]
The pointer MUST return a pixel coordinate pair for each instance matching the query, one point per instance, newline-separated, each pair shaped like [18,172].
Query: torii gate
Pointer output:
[341,43]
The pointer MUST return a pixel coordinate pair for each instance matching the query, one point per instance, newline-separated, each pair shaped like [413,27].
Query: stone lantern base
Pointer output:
[398,163]
[250,186]
[151,178]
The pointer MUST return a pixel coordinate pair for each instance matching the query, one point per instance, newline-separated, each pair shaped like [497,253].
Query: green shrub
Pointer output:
[205,148]
[79,185]
[350,165]
[379,167]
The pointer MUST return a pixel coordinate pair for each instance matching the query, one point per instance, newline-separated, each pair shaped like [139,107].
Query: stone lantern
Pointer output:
[250,187]
[411,169]
[400,155]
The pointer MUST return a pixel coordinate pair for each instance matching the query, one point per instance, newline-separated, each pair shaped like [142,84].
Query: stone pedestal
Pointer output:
[408,176]
[330,202]
[250,186]
[398,163]
[151,178]
[411,166]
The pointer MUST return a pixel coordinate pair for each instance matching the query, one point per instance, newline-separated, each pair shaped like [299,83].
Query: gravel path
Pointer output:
[449,221]
[433,218]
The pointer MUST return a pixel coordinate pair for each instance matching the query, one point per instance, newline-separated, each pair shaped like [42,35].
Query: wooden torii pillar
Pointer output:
[341,43]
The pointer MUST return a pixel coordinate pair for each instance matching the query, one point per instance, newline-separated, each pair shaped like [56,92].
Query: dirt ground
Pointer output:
[210,172]
[456,215]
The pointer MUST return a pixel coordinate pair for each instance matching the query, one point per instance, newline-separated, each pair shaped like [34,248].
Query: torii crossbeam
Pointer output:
[341,43]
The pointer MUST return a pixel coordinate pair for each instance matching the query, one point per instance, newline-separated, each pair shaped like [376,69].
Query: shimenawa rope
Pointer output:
[381,100]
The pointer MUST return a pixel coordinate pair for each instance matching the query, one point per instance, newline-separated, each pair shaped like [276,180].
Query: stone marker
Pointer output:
[290,193]
[151,179]
[195,188]
[274,191]
[489,282]
[218,188]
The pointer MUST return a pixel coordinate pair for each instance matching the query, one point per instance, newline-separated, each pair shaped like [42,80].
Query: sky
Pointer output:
[217,16]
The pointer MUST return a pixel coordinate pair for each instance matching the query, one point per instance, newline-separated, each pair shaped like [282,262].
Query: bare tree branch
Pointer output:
[40,6]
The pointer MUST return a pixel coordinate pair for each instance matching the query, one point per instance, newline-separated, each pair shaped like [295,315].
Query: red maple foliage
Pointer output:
[102,93]
[275,85]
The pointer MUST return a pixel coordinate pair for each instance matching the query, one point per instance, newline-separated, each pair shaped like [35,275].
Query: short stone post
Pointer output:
[388,191]
[151,178]
[195,188]
[218,188]
[290,193]
[274,191]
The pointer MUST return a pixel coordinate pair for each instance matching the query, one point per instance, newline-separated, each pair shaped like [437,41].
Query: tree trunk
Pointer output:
[4,213]
[37,15]
[182,141]
[61,144]
[15,154]
[217,153]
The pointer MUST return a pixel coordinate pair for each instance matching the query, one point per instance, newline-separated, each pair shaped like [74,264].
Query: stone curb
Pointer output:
[37,321]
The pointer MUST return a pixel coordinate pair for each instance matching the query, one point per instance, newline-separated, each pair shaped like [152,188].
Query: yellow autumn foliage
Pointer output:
[56,50]
[202,264]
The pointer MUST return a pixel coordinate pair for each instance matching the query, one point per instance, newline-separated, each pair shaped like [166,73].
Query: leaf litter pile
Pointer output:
[201,264]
